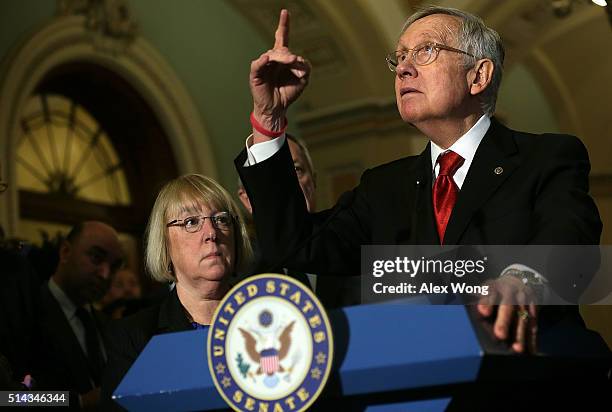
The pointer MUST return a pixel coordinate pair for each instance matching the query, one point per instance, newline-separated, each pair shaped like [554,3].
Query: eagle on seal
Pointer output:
[269,358]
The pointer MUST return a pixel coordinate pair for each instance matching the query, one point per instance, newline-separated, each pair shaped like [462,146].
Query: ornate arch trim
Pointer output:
[67,39]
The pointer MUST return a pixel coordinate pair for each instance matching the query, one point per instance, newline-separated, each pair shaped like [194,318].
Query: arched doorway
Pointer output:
[131,90]
[139,161]
[142,109]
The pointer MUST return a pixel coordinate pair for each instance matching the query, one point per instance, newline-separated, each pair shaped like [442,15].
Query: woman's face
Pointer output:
[125,285]
[206,258]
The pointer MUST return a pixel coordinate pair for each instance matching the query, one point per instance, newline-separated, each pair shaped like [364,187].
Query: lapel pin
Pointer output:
[498,170]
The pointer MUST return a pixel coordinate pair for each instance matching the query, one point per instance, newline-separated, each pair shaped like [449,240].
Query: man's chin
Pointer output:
[409,116]
[412,119]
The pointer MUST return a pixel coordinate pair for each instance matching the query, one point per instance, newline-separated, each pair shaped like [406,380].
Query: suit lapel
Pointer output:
[423,218]
[493,163]
[67,345]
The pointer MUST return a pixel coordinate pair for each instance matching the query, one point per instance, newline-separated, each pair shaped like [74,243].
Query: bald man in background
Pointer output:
[72,351]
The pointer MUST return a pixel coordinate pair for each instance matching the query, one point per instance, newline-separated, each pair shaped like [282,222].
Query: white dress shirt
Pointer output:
[465,147]
[261,151]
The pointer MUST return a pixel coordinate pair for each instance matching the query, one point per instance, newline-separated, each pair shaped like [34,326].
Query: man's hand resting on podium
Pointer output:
[514,323]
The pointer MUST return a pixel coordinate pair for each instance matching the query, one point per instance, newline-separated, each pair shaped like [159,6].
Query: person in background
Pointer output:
[19,327]
[124,291]
[72,350]
[304,169]
[302,163]
[333,291]
[196,239]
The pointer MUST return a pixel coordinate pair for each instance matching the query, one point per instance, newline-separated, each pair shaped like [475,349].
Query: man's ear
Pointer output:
[244,198]
[65,251]
[481,76]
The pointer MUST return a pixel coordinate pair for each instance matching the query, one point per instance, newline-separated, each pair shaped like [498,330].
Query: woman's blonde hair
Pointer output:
[189,193]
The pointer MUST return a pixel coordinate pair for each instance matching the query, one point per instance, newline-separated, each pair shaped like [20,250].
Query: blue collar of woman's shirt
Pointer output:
[197,325]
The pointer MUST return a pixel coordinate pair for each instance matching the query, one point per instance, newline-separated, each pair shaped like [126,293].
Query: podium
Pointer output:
[387,357]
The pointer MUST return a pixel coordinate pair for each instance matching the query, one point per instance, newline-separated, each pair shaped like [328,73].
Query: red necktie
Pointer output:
[445,190]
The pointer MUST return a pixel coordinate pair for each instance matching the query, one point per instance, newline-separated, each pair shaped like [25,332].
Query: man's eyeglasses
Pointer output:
[193,224]
[421,55]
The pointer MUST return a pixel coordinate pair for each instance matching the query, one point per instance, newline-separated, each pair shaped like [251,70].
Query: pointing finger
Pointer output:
[281,36]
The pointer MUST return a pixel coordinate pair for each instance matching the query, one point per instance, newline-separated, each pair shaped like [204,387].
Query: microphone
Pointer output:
[343,203]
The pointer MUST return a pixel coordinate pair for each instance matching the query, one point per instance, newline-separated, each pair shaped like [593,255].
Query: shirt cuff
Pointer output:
[524,268]
[259,152]
[540,287]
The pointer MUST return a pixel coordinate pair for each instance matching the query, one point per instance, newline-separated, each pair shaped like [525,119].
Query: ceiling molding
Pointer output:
[110,19]
[340,38]
[309,37]
[581,16]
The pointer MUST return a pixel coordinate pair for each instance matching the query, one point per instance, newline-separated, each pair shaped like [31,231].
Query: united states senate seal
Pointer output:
[270,345]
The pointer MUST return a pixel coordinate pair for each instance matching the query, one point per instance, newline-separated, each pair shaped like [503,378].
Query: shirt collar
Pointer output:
[466,145]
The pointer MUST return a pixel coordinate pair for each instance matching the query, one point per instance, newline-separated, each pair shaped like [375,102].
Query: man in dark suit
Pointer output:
[476,182]
[332,291]
[18,327]
[72,348]
[18,324]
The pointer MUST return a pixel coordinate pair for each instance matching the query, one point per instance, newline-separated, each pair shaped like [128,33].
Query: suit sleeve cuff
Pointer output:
[257,153]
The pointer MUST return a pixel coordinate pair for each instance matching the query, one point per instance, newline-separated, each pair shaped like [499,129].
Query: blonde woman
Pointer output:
[196,239]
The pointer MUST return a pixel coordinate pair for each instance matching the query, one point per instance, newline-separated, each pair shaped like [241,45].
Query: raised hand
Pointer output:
[277,79]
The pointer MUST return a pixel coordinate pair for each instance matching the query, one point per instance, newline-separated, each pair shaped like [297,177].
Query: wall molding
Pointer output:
[374,117]
[68,39]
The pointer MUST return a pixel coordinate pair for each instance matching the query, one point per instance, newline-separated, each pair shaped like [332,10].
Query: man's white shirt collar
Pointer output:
[69,309]
[465,147]
[64,301]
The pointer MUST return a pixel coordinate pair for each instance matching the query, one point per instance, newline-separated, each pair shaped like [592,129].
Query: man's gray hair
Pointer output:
[477,39]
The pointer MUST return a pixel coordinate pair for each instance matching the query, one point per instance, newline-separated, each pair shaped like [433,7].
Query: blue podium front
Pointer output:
[380,351]
[379,348]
